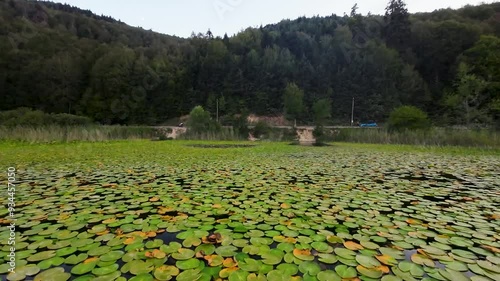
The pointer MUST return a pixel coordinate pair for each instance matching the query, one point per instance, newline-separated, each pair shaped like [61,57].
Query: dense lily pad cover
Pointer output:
[171,211]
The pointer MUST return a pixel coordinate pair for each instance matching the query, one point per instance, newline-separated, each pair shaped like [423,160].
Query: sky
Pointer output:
[182,17]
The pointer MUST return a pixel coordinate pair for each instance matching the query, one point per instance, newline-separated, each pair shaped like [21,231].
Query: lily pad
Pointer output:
[346,272]
[53,274]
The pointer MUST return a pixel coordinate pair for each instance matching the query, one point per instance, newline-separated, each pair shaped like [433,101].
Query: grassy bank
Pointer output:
[433,137]
[224,134]
[94,133]
[49,134]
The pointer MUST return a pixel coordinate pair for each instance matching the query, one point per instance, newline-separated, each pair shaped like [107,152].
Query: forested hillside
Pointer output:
[61,59]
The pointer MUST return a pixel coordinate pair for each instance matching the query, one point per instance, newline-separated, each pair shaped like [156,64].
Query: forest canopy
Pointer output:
[60,59]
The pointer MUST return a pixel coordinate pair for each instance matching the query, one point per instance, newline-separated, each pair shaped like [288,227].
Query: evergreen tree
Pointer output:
[397,30]
[294,102]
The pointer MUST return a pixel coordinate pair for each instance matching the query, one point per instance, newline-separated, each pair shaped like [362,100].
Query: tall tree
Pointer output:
[484,61]
[467,96]
[322,111]
[294,102]
[398,27]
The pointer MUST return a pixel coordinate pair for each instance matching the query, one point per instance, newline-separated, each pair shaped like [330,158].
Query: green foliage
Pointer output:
[408,118]
[223,134]
[261,130]
[322,111]
[432,137]
[240,125]
[201,122]
[319,134]
[398,26]
[468,96]
[61,59]
[483,60]
[37,118]
[293,100]
[64,134]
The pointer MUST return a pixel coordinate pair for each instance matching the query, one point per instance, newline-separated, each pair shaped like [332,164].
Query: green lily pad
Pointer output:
[142,277]
[55,261]
[328,275]
[189,275]
[489,266]
[66,251]
[367,261]
[183,254]
[42,256]
[320,246]
[105,270]
[188,264]
[112,256]
[250,265]
[166,272]
[391,278]
[238,275]
[345,253]
[83,268]
[345,271]
[22,271]
[327,258]
[226,251]
[288,269]
[369,272]
[206,249]
[99,251]
[309,267]
[53,274]
[414,269]
[273,257]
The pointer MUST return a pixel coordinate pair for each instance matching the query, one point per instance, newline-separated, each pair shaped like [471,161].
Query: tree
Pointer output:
[468,95]
[398,27]
[200,121]
[484,61]
[408,118]
[240,125]
[57,58]
[322,111]
[109,96]
[294,102]
[354,10]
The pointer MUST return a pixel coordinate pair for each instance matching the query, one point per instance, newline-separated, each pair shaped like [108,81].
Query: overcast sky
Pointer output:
[181,17]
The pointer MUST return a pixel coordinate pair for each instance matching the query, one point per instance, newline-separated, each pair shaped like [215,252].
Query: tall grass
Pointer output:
[433,137]
[54,133]
[224,134]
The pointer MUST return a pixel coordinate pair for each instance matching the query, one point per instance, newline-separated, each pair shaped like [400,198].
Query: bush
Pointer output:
[408,118]
[261,130]
[200,122]
[37,118]
[240,125]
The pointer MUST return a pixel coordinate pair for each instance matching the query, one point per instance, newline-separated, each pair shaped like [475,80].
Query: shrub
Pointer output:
[261,130]
[70,120]
[319,135]
[240,125]
[37,118]
[201,122]
[408,118]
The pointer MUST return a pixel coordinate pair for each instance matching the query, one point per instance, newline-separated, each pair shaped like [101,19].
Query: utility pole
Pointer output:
[352,113]
[217,110]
